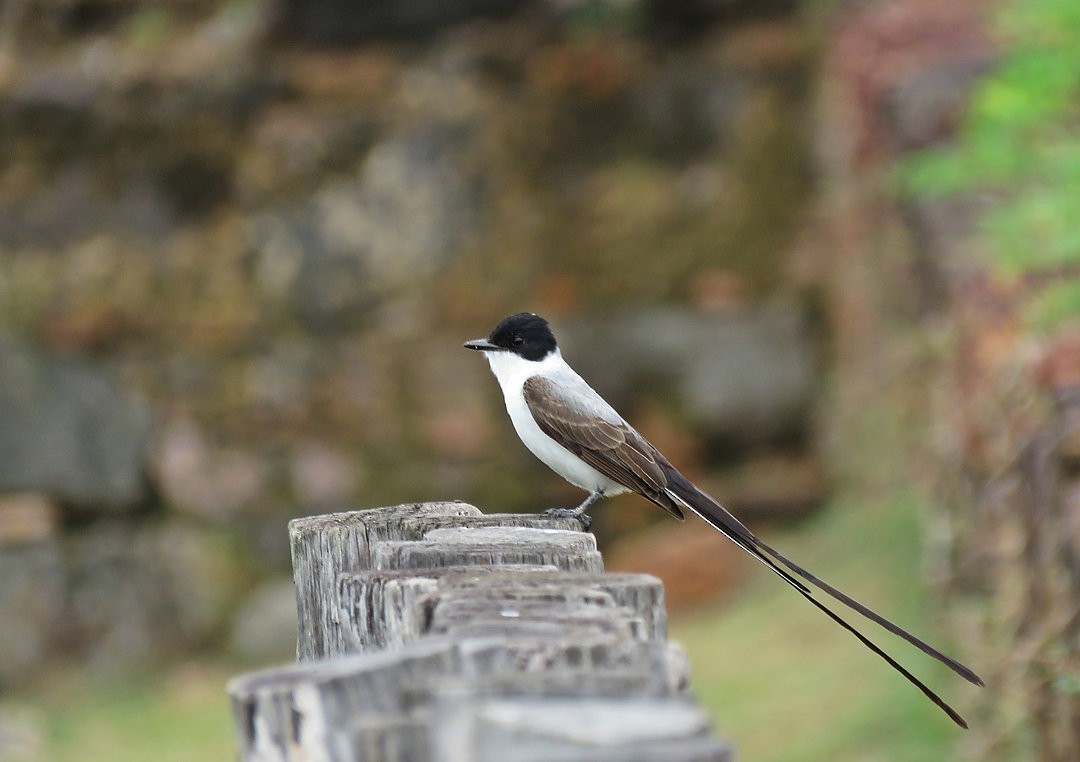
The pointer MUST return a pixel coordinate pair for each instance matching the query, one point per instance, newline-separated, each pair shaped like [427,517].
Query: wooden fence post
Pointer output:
[433,633]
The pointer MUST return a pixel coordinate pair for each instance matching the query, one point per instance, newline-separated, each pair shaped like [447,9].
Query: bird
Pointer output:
[576,433]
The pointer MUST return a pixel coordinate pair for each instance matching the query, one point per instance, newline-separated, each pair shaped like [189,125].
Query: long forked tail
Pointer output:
[684,491]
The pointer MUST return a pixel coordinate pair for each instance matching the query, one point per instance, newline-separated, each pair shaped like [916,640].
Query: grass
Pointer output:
[785,684]
[180,716]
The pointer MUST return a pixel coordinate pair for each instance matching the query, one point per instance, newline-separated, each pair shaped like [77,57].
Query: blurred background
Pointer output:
[824,253]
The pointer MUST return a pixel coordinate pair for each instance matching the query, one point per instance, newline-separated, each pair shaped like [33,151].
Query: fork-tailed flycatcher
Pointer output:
[577,434]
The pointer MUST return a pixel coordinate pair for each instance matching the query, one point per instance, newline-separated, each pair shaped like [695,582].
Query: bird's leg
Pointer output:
[579,512]
[592,498]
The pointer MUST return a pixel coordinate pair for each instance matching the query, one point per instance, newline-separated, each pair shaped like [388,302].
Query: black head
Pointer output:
[527,335]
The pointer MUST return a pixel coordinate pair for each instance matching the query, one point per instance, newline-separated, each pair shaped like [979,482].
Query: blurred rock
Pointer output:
[717,290]
[141,594]
[202,574]
[112,151]
[747,377]
[778,45]
[280,381]
[32,600]
[928,106]
[204,480]
[322,478]
[340,22]
[683,109]
[27,518]
[68,431]
[76,204]
[691,15]
[294,148]
[416,198]
[264,626]
[771,487]
[120,615]
[277,245]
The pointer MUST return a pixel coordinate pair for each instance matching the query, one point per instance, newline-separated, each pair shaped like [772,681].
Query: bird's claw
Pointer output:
[571,513]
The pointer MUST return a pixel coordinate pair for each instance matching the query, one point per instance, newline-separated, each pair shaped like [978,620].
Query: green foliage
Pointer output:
[1021,143]
[1068,684]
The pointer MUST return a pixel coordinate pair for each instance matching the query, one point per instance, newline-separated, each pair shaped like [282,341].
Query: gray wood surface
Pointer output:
[293,712]
[323,546]
[491,546]
[467,728]
[431,633]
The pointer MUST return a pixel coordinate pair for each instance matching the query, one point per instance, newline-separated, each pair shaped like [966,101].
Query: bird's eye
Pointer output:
[517,342]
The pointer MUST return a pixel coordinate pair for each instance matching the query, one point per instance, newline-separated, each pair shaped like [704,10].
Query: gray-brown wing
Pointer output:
[610,446]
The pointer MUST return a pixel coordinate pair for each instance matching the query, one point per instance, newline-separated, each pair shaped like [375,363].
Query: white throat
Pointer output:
[512,371]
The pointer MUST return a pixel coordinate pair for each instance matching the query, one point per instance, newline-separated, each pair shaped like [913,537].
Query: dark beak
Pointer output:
[480,345]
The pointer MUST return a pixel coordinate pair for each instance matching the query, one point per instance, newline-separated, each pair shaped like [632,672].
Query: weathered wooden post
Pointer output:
[432,632]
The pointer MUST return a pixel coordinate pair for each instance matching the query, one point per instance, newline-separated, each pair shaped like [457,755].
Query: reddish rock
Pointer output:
[697,564]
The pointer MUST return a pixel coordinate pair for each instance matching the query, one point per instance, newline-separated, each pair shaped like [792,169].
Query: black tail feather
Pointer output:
[716,515]
[965,672]
[953,714]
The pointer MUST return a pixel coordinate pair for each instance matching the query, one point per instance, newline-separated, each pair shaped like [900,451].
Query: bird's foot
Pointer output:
[571,513]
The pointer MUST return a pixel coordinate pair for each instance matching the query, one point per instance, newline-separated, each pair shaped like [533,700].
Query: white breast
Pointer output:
[512,372]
